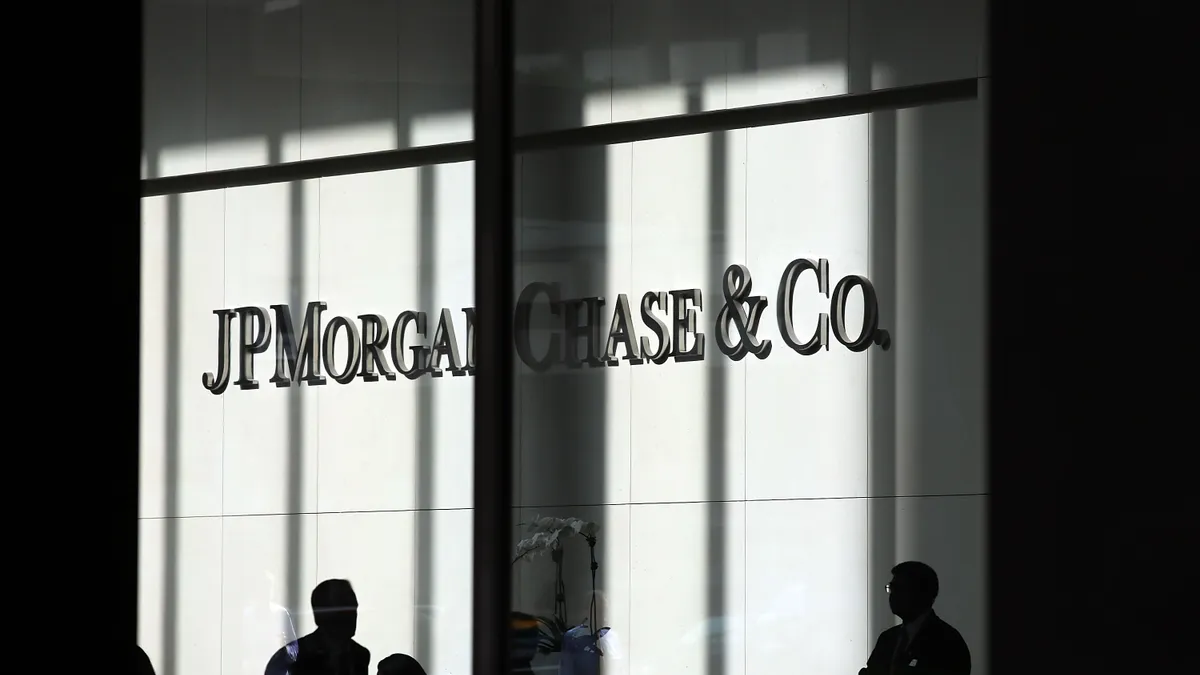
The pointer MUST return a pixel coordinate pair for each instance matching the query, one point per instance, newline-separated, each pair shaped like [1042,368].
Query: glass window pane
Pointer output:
[589,62]
[252,496]
[293,428]
[752,360]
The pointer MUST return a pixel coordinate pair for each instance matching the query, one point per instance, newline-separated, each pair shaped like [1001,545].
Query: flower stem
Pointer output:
[593,618]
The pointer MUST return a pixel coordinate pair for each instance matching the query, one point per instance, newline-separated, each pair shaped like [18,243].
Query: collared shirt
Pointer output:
[911,628]
[914,626]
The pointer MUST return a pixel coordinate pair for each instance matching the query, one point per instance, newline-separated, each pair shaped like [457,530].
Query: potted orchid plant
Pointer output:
[546,536]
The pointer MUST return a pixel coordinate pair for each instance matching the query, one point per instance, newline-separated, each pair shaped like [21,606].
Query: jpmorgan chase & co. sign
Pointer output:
[376,348]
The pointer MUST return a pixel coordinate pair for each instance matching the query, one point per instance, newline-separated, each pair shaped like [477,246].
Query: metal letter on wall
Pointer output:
[445,344]
[420,352]
[870,318]
[349,370]
[784,309]
[255,338]
[588,331]
[374,342]
[683,323]
[621,332]
[470,314]
[217,381]
[522,328]
[298,360]
[657,326]
[736,286]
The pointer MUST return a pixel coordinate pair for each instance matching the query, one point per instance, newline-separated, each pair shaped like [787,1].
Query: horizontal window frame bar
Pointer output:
[614,133]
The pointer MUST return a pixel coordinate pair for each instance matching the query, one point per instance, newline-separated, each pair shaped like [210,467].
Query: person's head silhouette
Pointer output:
[335,609]
[913,589]
[400,664]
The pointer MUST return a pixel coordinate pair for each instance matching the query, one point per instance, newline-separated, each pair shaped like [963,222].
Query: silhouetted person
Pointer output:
[142,665]
[330,649]
[400,664]
[525,636]
[923,644]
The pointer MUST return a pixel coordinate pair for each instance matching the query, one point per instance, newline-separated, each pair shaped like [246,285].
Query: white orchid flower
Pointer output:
[547,533]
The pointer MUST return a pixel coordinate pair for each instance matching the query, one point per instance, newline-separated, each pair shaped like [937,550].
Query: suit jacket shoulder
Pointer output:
[938,646]
[885,645]
[946,634]
[306,653]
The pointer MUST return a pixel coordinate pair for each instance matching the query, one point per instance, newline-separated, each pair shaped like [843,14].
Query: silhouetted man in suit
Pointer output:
[330,649]
[923,644]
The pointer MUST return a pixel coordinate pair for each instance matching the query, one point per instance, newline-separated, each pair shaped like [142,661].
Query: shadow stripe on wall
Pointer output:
[598,135]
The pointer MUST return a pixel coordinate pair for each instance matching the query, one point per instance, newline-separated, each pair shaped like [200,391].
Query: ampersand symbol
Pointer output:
[737,285]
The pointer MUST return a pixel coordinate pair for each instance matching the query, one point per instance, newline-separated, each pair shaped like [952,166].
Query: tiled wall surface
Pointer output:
[750,509]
